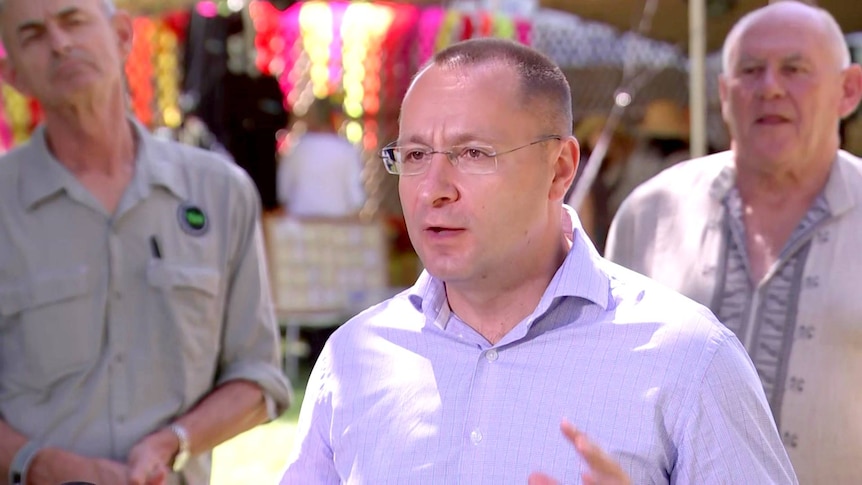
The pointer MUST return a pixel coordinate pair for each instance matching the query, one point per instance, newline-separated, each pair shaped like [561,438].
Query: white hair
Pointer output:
[837,41]
[107,5]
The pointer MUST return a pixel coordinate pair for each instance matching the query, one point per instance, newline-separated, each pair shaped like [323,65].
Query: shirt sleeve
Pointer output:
[312,460]
[250,348]
[728,434]
[619,245]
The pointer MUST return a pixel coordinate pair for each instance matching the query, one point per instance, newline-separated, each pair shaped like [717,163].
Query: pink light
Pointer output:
[207,9]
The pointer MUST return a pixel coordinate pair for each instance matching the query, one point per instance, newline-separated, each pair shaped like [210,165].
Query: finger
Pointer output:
[142,473]
[137,476]
[598,461]
[157,476]
[570,431]
[541,479]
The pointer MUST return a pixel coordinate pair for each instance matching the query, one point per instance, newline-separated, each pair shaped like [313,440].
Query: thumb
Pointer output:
[158,476]
[541,479]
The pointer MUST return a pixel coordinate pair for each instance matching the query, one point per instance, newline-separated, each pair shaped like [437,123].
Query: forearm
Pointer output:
[54,465]
[229,410]
[10,442]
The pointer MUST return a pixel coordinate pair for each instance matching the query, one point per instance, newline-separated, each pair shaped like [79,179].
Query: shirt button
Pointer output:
[812,281]
[790,439]
[491,355]
[796,384]
[476,436]
[118,358]
[823,236]
[805,332]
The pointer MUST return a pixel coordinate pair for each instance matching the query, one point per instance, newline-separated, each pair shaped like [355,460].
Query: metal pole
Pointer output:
[697,75]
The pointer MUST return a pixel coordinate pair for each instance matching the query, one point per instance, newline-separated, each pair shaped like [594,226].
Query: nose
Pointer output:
[770,84]
[59,39]
[437,185]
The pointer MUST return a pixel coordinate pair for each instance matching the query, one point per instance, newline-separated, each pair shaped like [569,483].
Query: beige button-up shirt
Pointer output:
[112,325]
[672,229]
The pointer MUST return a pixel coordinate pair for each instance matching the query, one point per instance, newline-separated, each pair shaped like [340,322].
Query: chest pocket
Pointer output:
[188,297]
[49,328]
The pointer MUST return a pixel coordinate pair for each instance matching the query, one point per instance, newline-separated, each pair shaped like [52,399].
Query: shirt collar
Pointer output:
[579,276]
[42,175]
[726,178]
[156,167]
[839,191]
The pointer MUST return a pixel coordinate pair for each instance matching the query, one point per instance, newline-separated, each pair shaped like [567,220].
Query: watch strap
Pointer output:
[21,463]
[182,455]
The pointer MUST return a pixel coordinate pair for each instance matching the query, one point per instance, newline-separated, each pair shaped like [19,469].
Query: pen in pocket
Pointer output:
[154,246]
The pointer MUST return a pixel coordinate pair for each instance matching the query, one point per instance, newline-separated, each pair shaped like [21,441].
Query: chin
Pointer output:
[447,271]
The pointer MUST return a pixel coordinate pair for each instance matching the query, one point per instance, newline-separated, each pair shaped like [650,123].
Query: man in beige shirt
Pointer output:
[136,327]
[768,234]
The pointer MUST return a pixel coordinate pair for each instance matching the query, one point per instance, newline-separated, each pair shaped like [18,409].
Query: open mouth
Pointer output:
[772,120]
[442,230]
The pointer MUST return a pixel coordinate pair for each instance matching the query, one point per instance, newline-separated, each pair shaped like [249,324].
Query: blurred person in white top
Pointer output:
[321,175]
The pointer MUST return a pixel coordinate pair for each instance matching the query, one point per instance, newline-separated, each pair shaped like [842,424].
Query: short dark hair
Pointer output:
[542,84]
[320,114]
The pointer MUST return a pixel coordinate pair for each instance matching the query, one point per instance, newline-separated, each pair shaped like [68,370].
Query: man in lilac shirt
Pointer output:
[518,324]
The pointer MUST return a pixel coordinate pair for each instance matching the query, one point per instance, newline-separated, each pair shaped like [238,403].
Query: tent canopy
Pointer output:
[670,22]
[671,19]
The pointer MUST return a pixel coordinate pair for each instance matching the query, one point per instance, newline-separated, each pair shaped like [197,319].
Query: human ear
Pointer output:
[10,75]
[122,24]
[851,87]
[565,167]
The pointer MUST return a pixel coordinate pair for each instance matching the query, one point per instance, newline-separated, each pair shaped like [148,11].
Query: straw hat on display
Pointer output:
[589,128]
[664,118]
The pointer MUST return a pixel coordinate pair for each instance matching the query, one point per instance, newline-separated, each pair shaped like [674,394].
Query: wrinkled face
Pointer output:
[62,50]
[478,227]
[784,95]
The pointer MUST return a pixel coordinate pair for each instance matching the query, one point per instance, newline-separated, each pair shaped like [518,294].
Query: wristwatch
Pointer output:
[183,454]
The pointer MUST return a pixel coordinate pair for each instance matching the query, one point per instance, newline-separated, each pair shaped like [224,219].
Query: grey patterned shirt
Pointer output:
[763,314]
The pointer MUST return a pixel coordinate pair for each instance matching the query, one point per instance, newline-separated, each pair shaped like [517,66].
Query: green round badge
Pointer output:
[193,220]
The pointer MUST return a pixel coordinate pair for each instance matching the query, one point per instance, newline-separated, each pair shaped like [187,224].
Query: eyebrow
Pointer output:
[794,57]
[458,140]
[62,14]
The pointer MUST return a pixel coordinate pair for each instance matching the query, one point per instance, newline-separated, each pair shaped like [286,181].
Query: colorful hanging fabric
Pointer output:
[448,30]
[503,26]
[523,29]
[430,22]
[167,75]
[18,114]
[486,24]
[139,70]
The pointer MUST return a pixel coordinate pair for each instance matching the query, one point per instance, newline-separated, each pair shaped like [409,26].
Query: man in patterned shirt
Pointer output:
[768,234]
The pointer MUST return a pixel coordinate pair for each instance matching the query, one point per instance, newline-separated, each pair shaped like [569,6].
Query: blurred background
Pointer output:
[241,76]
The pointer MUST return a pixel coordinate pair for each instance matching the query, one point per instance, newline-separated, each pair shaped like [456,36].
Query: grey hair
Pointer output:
[837,41]
[108,7]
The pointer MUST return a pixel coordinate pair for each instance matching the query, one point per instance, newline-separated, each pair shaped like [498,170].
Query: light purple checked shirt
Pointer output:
[406,392]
